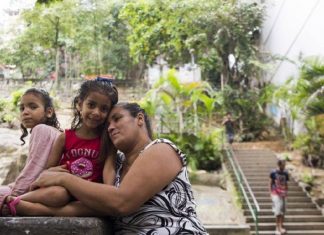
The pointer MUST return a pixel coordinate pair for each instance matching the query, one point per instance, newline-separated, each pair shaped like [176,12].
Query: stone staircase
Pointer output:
[302,216]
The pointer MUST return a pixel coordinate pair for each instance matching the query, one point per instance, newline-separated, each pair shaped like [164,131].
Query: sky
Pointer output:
[9,10]
[13,5]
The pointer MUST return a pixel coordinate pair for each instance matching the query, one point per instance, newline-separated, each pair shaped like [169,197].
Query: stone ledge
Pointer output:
[85,226]
[55,226]
[243,229]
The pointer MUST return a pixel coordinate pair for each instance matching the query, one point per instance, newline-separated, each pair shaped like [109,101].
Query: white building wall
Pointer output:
[186,73]
[292,29]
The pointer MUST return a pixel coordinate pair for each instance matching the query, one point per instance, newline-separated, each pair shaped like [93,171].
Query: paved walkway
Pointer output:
[216,206]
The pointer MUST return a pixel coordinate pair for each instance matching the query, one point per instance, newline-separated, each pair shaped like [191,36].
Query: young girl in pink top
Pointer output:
[79,149]
[37,114]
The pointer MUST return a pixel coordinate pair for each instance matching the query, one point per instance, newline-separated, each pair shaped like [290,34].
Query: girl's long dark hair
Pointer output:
[103,86]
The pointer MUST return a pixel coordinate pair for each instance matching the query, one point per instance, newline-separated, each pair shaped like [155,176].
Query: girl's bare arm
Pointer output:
[56,152]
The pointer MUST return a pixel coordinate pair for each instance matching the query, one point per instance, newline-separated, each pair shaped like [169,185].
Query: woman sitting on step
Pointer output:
[150,192]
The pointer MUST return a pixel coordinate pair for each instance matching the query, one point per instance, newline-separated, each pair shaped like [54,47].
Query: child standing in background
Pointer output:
[37,114]
[278,187]
[79,149]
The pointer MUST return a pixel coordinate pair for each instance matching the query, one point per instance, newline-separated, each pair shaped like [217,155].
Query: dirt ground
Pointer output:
[296,168]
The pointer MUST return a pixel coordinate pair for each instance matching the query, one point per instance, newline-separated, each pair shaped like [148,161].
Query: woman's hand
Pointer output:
[61,168]
[50,177]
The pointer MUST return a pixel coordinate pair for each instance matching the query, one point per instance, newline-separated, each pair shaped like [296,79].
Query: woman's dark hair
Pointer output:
[48,103]
[103,86]
[134,109]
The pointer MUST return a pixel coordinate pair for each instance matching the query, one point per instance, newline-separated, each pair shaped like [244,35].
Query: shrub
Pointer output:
[202,150]
[307,178]
[9,107]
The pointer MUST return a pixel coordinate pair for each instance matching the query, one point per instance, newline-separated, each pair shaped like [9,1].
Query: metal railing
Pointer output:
[254,207]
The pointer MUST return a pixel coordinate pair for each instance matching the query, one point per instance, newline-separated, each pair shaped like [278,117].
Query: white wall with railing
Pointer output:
[292,29]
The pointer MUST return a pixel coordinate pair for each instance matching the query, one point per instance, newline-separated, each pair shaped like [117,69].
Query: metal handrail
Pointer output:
[239,175]
[246,183]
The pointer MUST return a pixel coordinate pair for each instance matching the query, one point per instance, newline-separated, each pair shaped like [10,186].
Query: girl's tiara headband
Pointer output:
[105,80]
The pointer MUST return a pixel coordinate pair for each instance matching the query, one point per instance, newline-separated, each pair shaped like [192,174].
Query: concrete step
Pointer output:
[257,162]
[256,152]
[256,158]
[263,174]
[265,178]
[256,155]
[289,205]
[293,189]
[301,232]
[290,199]
[254,161]
[302,216]
[290,226]
[261,166]
[290,194]
[288,218]
[293,211]
[258,188]
[262,182]
[255,165]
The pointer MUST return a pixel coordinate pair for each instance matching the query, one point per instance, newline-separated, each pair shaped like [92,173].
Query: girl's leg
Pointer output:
[29,208]
[75,208]
[54,196]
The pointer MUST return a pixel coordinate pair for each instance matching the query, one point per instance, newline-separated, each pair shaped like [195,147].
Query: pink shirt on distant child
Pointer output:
[82,156]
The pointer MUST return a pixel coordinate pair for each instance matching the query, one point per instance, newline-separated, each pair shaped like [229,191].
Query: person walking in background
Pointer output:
[278,187]
[79,149]
[229,127]
[37,114]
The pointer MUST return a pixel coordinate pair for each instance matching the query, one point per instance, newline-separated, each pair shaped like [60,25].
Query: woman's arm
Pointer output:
[155,168]
[56,153]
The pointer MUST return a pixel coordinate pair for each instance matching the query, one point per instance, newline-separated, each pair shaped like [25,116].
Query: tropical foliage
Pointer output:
[121,37]
[184,113]
[71,39]
[211,31]
[248,109]
[305,97]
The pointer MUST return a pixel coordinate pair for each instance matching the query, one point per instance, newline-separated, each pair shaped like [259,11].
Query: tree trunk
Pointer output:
[57,56]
